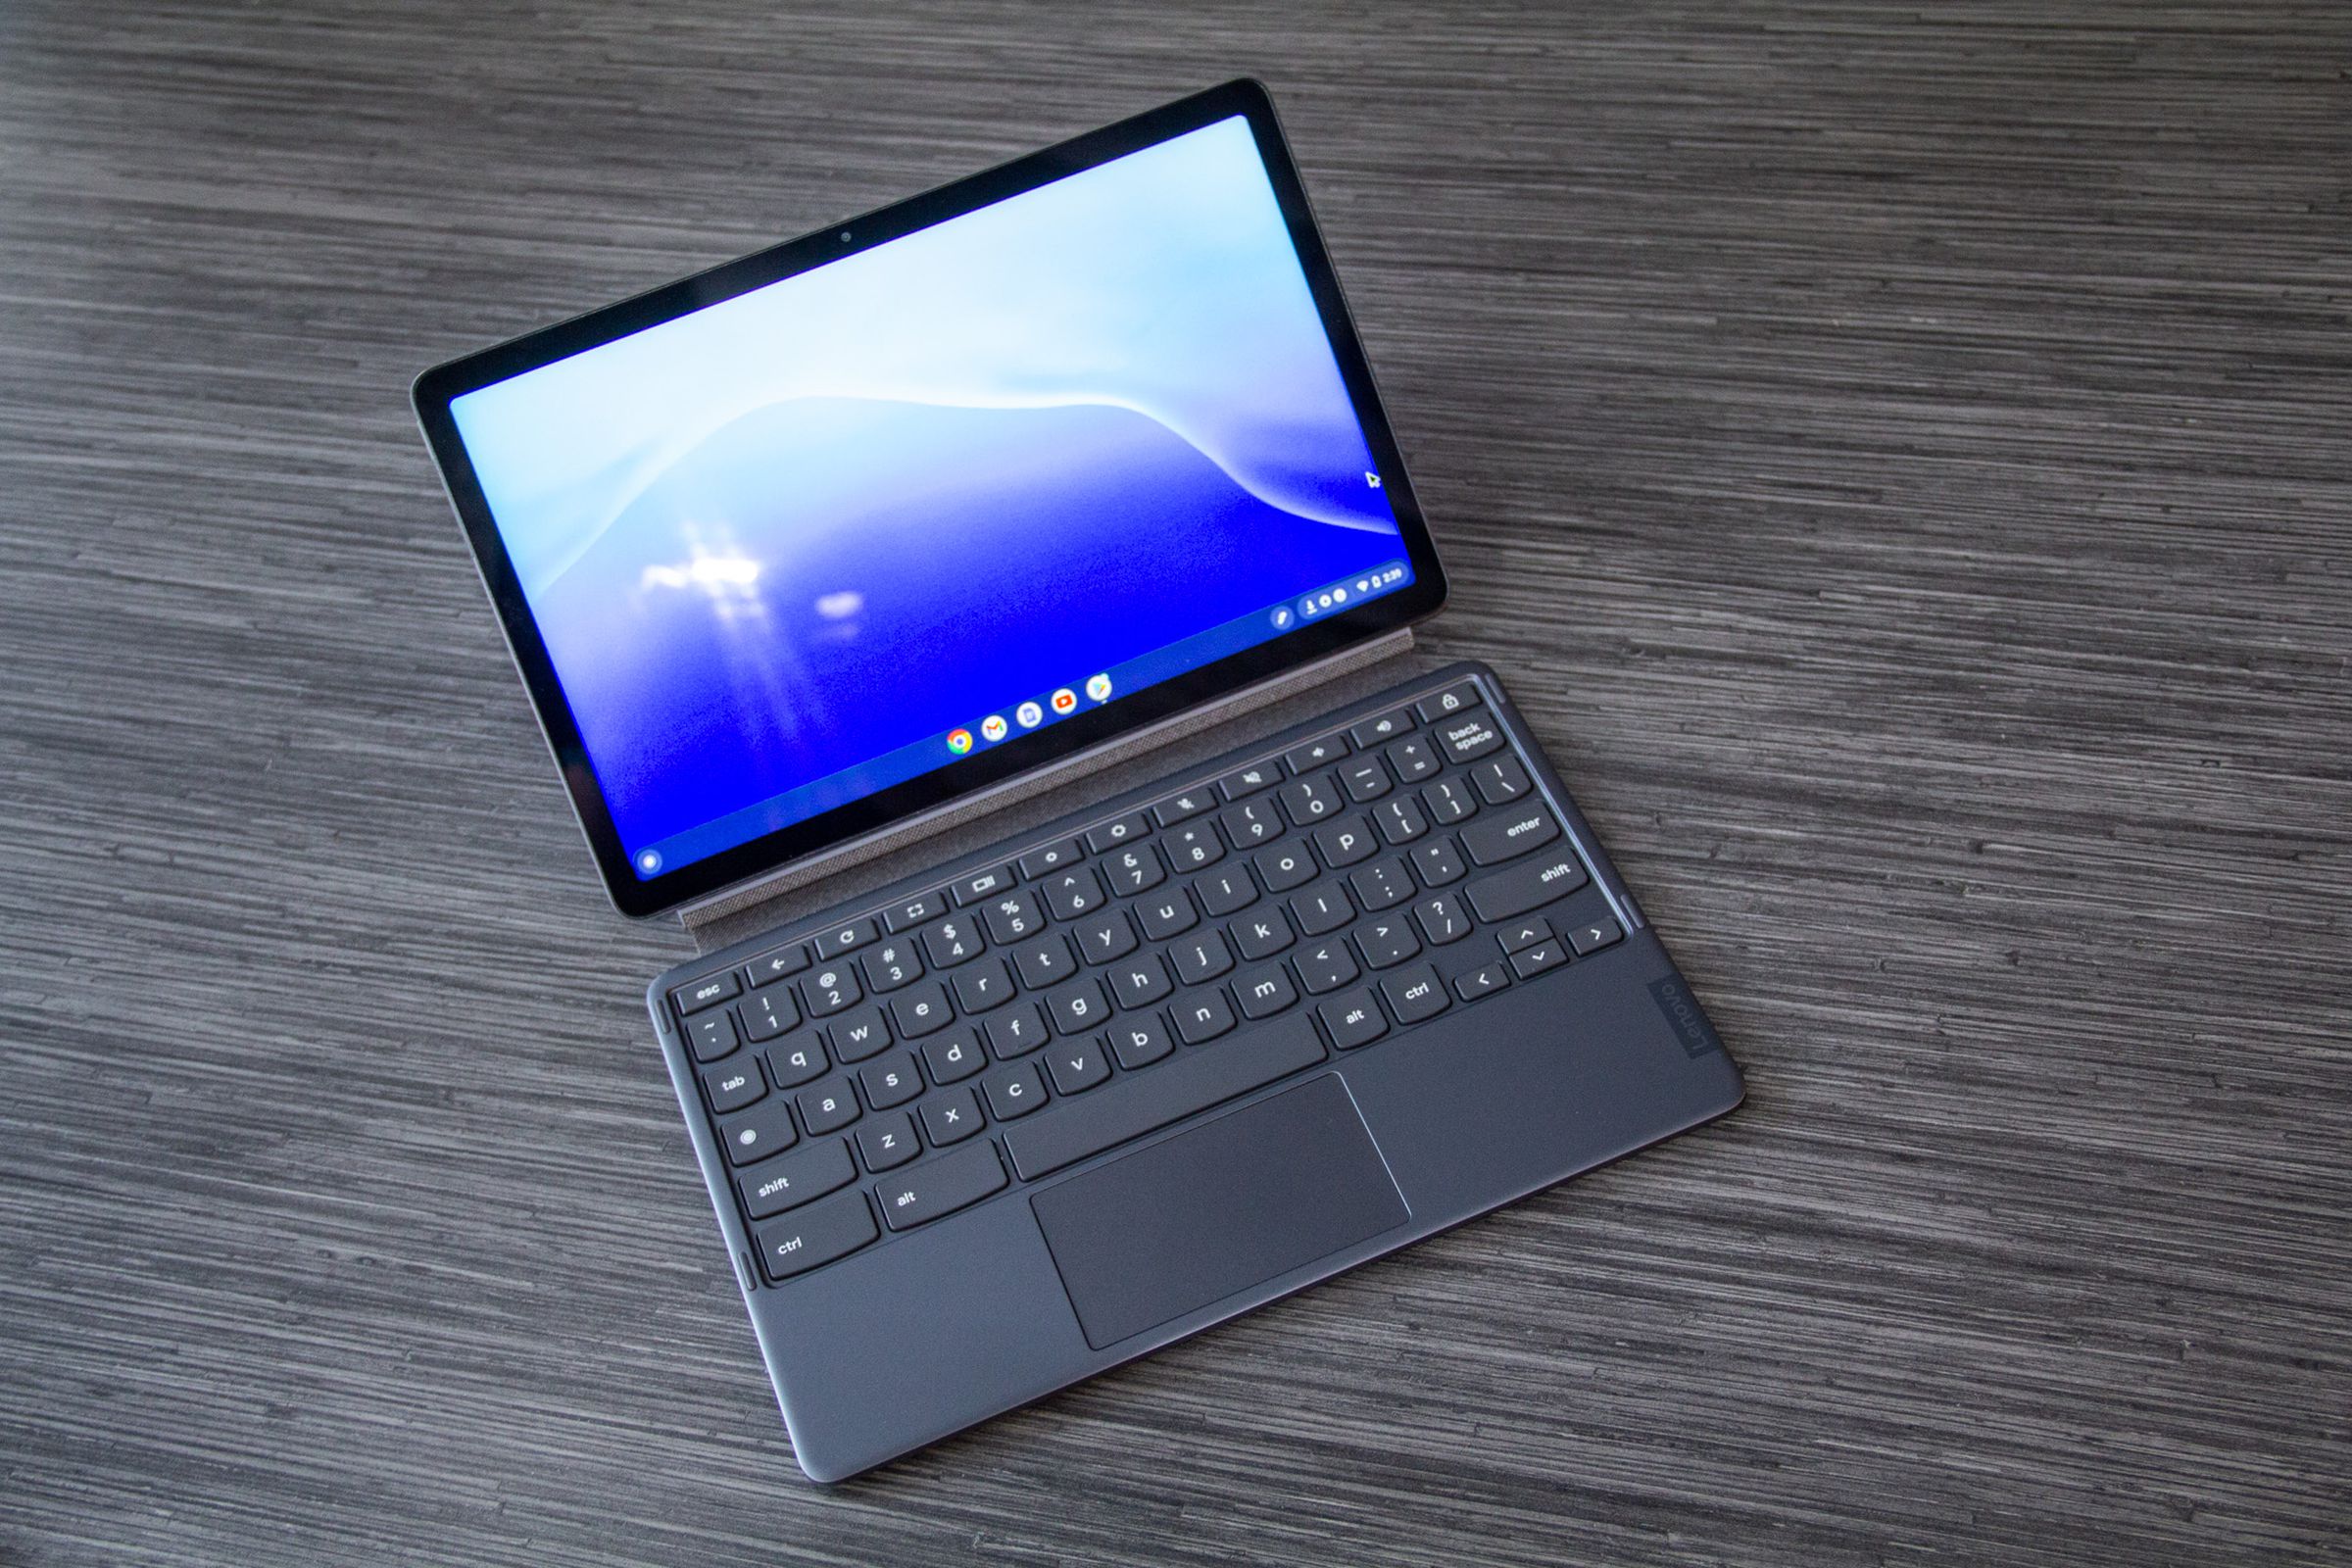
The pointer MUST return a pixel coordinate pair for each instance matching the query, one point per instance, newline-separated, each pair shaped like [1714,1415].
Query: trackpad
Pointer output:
[1217,1209]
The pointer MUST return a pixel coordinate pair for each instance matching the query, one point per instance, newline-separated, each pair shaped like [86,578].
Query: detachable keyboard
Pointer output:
[876,1071]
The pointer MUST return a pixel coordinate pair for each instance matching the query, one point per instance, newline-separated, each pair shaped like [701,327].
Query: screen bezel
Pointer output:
[637,896]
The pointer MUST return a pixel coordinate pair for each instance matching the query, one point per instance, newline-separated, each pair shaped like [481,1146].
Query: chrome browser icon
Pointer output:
[960,741]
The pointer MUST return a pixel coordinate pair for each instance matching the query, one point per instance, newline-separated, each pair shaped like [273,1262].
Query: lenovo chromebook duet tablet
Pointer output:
[861,557]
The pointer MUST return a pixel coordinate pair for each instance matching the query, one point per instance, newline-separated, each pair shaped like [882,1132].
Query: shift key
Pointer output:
[1530,885]
[940,1185]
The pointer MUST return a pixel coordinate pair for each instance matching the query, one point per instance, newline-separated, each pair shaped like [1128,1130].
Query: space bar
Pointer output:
[1157,1095]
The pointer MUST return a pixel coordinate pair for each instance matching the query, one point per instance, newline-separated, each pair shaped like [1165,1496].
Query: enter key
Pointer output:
[1507,835]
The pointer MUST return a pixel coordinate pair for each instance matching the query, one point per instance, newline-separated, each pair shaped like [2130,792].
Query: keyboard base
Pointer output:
[1470,1112]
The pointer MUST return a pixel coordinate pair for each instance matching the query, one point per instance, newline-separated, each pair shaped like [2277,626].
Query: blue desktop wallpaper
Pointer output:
[859,507]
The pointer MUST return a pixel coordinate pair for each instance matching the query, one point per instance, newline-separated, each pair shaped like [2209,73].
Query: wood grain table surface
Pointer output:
[1900,456]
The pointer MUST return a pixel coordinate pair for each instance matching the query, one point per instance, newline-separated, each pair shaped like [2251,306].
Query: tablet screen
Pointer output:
[881,518]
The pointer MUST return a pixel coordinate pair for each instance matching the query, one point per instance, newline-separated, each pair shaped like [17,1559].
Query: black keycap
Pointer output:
[1141,981]
[1046,962]
[778,963]
[1399,820]
[1548,953]
[733,1085]
[766,1014]
[1442,919]
[1353,1019]
[1455,699]
[1507,835]
[893,1079]
[1448,801]
[1249,780]
[940,1185]
[888,1142]
[1592,938]
[1387,942]
[954,1056]
[711,1035]
[890,965]
[1251,823]
[829,990]
[1071,894]
[1481,982]
[1079,1008]
[818,1234]
[909,913]
[1012,916]
[1499,779]
[1014,1090]
[1167,913]
[1383,882]
[1131,870]
[1365,779]
[980,885]
[1107,936]
[1315,755]
[1523,933]
[1414,993]
[754,1134]
[982,986]
[921,1010]
[1322,908]
[1311,799]
[1264,991]
[1179,808]
[709,992]
[834,941]
[855,1036]
[950,1117]
[1202,958]
[1166,1094]
[1077,1066]
[1263,934]
[1192,847]
[1344,842]
[1048,859]
[1438,861]
[795,1061]
[790,1180]
[1223,891]
[1466,737]
[1111,835]
[1202,1016]
[1016,1030]
[1286,867]
[1381,727]
[951,942]
[828,1107]
[1326,966]
[1142,1040]
[1529,885]
[1410,759]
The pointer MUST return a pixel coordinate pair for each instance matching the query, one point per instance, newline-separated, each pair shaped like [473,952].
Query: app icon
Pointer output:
[1065,700]
[1281,617]
[992,728]
[1029,715]
[960,741]
[649,861]
[1097,687]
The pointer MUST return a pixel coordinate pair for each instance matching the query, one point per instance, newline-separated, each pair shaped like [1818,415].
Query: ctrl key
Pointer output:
[818,1234]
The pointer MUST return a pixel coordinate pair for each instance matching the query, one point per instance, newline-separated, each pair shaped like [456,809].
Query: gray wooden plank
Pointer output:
[1896,456]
